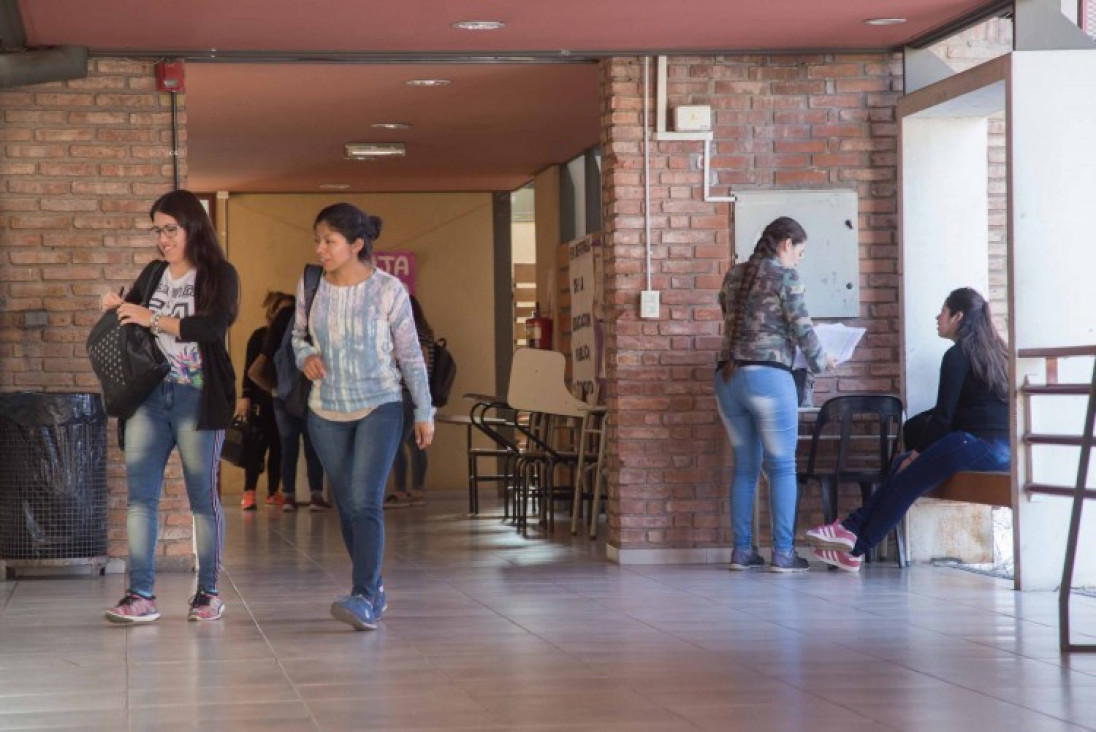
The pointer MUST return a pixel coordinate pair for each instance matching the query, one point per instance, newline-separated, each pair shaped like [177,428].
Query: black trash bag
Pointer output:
[53,476]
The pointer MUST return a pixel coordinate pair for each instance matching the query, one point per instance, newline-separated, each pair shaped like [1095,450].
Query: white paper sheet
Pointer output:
[838,340]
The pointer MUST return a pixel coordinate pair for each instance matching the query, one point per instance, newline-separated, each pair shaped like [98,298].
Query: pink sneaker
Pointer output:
[204,606]
[832,536]
[839,559]
[133,609]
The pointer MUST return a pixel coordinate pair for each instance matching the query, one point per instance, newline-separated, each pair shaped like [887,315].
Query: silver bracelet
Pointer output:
[154,324]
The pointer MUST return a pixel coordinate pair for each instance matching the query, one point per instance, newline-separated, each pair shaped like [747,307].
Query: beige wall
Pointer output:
[270,240]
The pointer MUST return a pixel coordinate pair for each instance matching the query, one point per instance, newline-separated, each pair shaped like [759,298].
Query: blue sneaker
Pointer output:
[746,559]
[356,611]
[380,603]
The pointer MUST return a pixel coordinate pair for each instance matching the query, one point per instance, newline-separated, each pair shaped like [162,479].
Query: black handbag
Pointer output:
[127,362]
[240,442]
[915,432]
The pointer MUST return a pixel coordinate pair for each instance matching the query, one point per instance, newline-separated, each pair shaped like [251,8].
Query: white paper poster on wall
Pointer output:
[585,317]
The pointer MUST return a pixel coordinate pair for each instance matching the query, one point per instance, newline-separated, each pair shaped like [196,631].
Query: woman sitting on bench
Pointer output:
[968,429]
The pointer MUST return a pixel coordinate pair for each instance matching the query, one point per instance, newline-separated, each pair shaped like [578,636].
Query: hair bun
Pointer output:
[374,227]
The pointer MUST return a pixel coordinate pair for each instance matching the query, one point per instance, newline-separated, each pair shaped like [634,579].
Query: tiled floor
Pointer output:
[489,631]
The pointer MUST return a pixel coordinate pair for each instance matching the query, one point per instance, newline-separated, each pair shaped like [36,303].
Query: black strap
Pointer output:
[312,275]
[156,271]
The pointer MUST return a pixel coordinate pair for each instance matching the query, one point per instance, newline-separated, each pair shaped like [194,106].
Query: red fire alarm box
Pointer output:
[169,76]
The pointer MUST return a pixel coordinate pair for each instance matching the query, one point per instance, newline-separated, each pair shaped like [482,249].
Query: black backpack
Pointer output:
[443,374]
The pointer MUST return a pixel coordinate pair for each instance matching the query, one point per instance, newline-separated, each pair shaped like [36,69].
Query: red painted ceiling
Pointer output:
[282,127]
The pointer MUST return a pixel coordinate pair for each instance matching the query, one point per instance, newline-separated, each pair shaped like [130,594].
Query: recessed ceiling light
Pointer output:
[373,150]
[428,82]
[391,125]
[885,21]
[479,25]
[334,186]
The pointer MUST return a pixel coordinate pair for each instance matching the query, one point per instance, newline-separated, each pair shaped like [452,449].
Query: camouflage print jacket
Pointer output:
[776,318]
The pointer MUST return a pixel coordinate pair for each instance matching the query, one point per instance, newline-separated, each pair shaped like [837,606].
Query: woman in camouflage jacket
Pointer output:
[765,318]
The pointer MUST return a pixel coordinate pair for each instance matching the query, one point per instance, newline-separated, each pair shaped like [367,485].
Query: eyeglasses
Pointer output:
[171,230]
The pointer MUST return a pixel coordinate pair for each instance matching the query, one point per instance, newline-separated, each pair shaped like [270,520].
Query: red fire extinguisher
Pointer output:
[538,330]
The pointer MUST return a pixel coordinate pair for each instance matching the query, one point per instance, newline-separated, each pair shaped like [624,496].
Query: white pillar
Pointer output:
[1052,286]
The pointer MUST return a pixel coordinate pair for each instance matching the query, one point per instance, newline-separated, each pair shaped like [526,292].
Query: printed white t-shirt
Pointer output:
[175,298]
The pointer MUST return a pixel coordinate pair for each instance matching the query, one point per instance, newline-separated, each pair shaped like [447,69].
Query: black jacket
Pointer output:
[208,331]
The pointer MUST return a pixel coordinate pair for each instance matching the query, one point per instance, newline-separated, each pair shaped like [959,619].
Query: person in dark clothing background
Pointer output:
[291,430]
[255,405]
[968,429]
[409,452]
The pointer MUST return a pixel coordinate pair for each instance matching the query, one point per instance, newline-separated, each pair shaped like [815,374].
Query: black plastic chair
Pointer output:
[867,441]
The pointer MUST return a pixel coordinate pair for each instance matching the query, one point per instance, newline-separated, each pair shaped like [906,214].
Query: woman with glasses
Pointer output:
[193,296]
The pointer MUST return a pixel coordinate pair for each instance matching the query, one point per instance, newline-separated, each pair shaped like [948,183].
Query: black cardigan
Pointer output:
[208,330]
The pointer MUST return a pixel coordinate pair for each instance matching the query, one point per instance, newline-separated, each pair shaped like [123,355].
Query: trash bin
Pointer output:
[53,476]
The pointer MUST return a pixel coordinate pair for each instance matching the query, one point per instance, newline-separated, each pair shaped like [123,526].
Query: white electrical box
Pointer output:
[693,118]
[648,304]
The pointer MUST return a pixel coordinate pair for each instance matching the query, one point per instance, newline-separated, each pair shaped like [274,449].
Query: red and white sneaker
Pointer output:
[832,536]
[839,559]
[276,501]
[205,606]
[247,501]
[133,608]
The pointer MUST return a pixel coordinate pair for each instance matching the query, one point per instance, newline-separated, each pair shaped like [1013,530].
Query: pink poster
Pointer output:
[400,265]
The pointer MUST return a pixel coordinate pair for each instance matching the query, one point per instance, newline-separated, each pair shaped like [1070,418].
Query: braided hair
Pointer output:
[353,223]
[979,340]
[776,232]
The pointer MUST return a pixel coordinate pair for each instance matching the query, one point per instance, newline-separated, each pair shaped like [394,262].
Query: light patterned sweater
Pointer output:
[366,335]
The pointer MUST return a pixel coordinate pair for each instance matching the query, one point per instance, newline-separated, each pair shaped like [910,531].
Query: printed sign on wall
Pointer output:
[586,335]
[400,265]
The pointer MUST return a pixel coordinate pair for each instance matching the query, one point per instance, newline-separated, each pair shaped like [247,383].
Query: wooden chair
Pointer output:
[588,469]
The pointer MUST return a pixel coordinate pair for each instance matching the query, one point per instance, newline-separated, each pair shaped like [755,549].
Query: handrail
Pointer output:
[1079,492]
[1064,352]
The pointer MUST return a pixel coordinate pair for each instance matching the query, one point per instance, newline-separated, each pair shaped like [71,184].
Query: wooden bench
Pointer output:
[988,489]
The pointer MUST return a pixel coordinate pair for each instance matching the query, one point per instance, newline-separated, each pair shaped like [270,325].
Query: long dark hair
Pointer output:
[203,250]
[353,223]
[780,229]
[980,341]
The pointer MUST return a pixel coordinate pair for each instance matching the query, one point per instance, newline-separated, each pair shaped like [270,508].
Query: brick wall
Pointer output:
[810,121]
[82,162]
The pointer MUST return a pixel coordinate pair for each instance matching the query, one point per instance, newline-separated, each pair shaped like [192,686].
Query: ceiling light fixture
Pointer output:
[428,82]
[374,150]
[391,125]
[334,186]
[885,21]
[479,25]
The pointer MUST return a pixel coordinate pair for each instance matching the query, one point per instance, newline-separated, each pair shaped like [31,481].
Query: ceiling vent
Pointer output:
[374,150]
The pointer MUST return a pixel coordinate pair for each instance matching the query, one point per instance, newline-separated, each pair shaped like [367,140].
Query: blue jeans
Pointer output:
[760,412]
[167,419]
[408,447]
[357,457]
[290,431]
[952,453]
